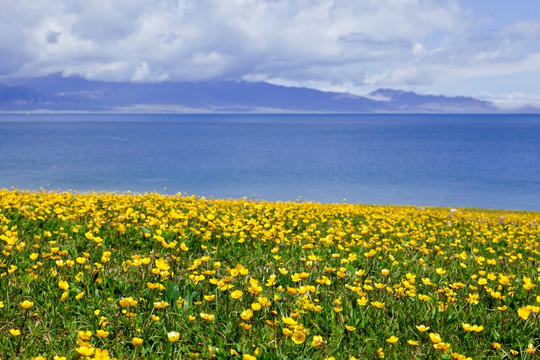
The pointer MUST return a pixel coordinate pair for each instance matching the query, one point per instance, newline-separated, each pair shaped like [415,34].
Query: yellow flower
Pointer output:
[246,314]
[209,297]
[256,306]
[385,272]
[350,328]
[524,313]
[435,338]
[248,357]
[129,301]
[441,346]
[422,328]
[477,328]
[370,253]
[504,280]
[80,295]
[59,358]
[81,343]
[102,355]
[245,326]
[317,341]
[377,304]
[26,304]
[271,280]
[85,335]
[440,271]
[298,337]
[152,286]
[12,269]
[136,341]
[362,301]
[64,296]
[207,317]
[15,332]
[528,286]
[530,349]
[291,291]
[161,304]
[237,294]
[102,333]
[392,339]
[173,336]
[412,342]
[289,321]
[85,351]
[380,353]
[264,301]
[513,352]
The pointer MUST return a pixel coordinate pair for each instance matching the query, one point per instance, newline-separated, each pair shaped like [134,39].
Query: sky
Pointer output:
[489,49]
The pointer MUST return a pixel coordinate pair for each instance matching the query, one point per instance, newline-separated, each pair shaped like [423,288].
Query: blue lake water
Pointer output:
[488,161]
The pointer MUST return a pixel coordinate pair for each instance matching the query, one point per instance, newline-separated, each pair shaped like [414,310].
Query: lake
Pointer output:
[487,161]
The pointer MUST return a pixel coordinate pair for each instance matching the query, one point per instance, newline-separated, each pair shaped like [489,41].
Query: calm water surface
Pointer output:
[490,161]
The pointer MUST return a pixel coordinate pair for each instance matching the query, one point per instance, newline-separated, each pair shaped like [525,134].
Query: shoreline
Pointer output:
[254,199]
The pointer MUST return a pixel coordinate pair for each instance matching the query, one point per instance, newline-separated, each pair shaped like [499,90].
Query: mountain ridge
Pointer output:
[55,93]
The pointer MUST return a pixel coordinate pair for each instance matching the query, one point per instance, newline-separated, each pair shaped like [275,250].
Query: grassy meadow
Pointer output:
[130,276]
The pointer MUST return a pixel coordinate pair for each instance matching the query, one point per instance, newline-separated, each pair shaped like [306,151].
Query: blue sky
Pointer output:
[484,48]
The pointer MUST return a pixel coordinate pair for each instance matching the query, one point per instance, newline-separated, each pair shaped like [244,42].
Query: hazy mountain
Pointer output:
[411,102]
[529,109]
[57,93]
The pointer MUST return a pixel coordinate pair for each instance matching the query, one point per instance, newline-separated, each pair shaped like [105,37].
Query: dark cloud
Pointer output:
[52,37]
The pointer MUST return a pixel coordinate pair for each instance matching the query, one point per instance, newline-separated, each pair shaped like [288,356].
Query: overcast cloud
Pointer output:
[432,46]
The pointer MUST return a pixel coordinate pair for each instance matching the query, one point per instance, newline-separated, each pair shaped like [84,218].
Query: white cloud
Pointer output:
[511,101]
[464,55]
[328,44]
[191,39]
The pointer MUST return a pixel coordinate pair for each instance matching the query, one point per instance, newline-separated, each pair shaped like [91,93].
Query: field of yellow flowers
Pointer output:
[129,276]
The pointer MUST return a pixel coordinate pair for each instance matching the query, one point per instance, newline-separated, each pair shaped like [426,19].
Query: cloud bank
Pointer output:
[326,44]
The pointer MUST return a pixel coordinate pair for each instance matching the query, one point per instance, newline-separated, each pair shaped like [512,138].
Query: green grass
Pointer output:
[446,268]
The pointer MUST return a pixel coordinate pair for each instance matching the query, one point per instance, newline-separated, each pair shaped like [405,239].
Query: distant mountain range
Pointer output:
[74,94]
